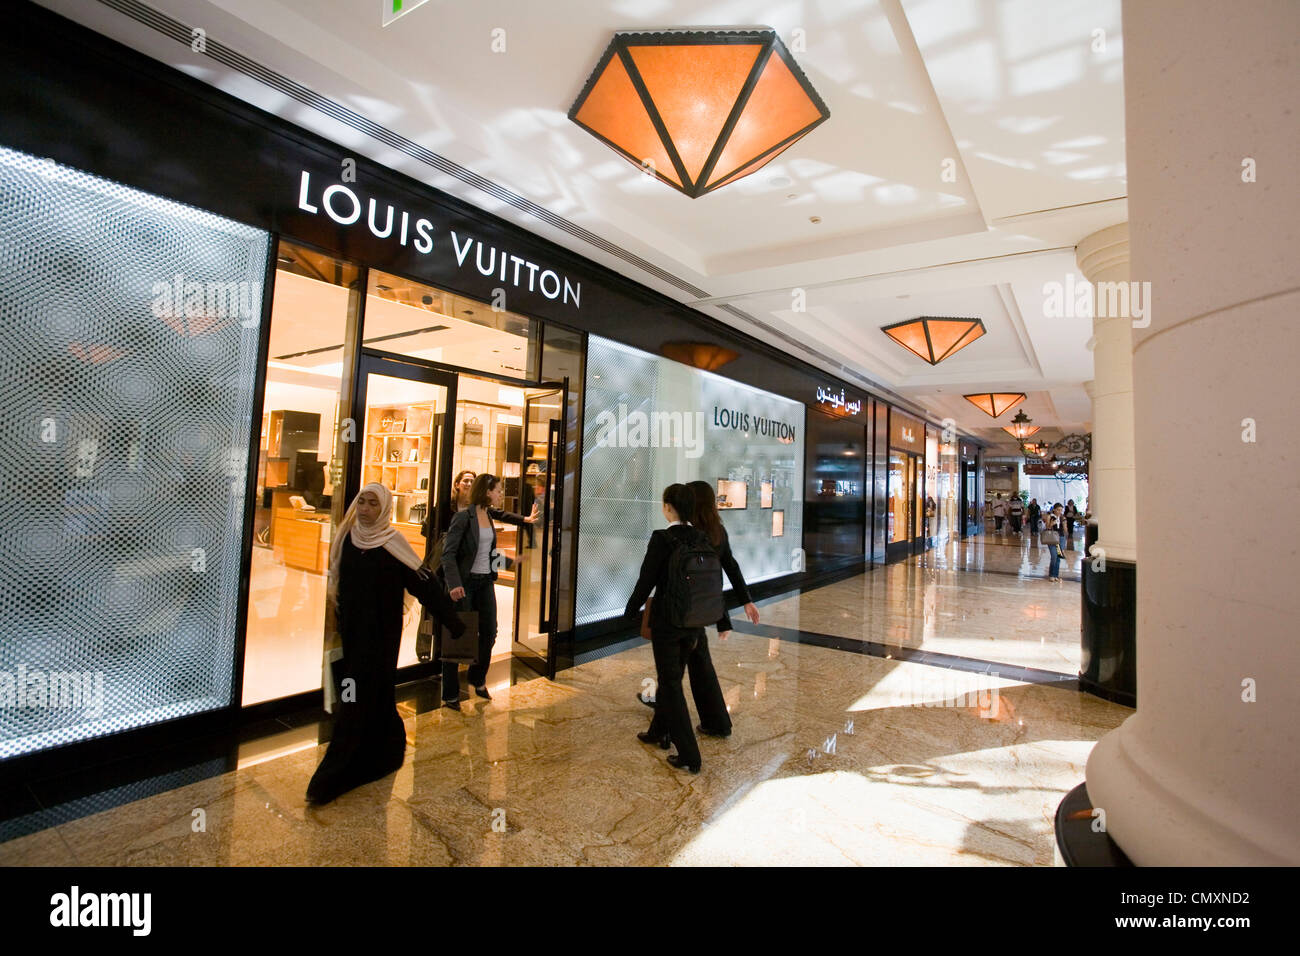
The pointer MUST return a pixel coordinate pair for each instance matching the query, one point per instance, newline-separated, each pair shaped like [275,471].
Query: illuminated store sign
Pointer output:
[342,204]
[905,432]
[827,398]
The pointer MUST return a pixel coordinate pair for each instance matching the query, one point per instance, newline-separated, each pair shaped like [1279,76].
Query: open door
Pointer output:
[403,445]
[543,477]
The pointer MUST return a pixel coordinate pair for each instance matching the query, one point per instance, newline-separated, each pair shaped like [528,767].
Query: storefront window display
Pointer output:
[906,487]
[649,422]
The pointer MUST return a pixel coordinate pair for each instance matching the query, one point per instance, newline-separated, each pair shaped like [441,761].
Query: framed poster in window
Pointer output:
[778,524]
[732,494]
[765,494]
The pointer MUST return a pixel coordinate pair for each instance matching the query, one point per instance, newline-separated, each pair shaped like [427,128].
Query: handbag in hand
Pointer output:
[1050,537]
[645,619]
[465,647]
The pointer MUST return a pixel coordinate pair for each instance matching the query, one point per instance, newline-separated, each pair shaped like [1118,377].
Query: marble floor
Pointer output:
[986,598]
[837,759]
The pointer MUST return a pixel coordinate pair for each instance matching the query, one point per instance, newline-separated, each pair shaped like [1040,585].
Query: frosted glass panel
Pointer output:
[649,422]
[126,386]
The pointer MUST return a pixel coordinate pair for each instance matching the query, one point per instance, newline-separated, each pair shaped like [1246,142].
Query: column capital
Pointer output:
[1103,256]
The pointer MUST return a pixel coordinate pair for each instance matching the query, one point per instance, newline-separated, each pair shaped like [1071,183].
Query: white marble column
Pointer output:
[1112,486]
[1207,770]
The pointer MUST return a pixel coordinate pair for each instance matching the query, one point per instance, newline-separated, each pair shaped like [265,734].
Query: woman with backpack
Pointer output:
[672,643]
[715,721]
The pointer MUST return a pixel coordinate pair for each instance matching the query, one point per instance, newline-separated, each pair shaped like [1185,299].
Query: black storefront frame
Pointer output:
[114,112]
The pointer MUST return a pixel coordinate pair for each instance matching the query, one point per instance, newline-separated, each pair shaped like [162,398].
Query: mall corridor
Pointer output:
[612,435]
[841,755]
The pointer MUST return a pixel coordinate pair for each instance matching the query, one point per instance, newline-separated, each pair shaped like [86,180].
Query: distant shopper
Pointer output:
[672,641]
[1035,513]
[715,721]
[999,513]
[1016,512]
[1052,541]
[460,489]
[468,564]
[1071,516]
[534,494]
[371,565]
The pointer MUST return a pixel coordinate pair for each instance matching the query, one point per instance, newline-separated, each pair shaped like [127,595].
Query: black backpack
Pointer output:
[693,590]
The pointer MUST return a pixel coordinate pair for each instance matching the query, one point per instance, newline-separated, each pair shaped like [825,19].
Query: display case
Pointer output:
[732,494]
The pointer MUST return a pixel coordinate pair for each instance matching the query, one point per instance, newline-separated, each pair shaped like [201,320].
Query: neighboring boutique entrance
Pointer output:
[414,388]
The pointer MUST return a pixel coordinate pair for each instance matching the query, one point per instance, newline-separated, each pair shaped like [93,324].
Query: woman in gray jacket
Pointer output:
[469,563]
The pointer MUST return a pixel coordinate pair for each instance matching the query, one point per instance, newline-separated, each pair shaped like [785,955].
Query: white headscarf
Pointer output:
[379,533]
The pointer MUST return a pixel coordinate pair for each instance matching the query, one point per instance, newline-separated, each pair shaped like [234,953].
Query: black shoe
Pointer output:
[482,691]
[681,764]
[648,703]
[712,733]
[452,705]
[646,737]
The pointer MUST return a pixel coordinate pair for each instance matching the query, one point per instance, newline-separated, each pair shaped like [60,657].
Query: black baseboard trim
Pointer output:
[1113,695]
[1079,844]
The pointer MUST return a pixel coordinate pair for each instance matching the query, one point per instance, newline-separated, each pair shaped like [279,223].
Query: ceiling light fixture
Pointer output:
[698,109]
[995,404]
[703,355]
[1020,429]
[934,339]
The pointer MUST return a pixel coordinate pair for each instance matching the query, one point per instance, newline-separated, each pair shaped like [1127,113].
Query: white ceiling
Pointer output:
[1022,98]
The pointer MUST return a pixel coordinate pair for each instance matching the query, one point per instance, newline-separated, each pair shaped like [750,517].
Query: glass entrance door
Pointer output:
[403,443]
[543,474]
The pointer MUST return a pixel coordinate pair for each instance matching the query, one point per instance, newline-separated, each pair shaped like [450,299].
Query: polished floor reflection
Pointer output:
[986,598]
[837,758]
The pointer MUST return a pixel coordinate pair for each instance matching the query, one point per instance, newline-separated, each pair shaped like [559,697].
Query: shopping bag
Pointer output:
[465,647]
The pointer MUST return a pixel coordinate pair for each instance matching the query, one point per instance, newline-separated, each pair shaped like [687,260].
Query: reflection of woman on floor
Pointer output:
[371,565]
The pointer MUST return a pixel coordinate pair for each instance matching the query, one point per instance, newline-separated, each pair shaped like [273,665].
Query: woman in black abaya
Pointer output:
[371,566]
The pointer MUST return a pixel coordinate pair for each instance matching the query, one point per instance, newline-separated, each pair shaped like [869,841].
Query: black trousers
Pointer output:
[672,650]
[480,596]
[706,690]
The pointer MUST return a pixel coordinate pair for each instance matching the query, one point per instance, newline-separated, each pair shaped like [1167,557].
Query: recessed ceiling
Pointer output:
[971,145]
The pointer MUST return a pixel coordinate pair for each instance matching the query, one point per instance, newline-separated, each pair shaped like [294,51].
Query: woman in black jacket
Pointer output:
[715,721]
[469,563]
[371,565]
[672,645]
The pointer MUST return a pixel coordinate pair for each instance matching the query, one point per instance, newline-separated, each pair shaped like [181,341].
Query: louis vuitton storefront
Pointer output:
[217,338]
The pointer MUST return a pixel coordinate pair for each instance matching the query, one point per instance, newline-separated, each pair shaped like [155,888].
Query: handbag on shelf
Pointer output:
[473,434]
[418,512]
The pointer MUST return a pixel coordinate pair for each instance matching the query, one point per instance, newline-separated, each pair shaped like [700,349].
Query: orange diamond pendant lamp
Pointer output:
[934,339]
[698,109]
[995,403]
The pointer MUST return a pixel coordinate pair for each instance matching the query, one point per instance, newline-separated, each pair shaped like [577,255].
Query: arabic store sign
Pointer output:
[831,401]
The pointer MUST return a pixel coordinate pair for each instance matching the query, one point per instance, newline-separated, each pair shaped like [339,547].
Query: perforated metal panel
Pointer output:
[623,479]
[126,388]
